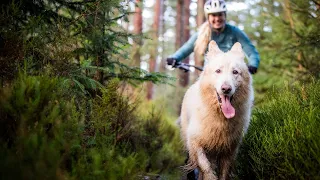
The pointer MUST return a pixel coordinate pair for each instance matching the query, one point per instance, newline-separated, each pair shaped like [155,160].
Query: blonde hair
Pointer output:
[204,37]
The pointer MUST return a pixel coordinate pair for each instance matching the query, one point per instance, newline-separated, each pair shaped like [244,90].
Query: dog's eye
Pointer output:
[218,71]
[235,72]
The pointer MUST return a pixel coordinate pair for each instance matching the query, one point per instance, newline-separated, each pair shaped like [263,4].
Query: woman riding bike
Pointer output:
[224,34]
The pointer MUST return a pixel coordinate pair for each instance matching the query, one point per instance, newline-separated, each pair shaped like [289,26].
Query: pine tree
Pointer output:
[80,41]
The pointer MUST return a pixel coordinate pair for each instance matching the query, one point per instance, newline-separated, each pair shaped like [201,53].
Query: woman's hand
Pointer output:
[171,62]
[252,69]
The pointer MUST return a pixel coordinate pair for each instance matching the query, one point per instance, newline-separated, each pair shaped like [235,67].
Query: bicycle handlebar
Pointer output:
[186,67]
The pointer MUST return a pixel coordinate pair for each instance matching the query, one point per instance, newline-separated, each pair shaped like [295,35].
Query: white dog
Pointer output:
[216,112]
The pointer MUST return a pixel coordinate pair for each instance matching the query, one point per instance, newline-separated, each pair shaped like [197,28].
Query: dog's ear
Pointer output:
[213,48]
[237,48]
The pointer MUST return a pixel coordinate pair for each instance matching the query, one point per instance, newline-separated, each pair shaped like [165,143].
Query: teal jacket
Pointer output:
[225,41]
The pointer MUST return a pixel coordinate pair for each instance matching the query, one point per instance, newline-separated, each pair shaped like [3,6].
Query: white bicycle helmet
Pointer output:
[214,6]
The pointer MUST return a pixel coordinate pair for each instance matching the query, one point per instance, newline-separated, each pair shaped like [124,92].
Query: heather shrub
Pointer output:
[283,141]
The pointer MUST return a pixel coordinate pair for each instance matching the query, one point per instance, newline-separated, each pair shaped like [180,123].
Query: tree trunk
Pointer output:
[179,24]
[99,74]
[200,20]
[99,60]
[137,24]
[184,77]
[162,65]
[287,8]
[154,50]
[200,13]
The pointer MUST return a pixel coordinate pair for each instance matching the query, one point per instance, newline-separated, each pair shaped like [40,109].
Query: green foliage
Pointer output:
[33,118]
[149,143]
[283,140]
[63,117]
[45,135]
[286,34]
[81,41]
[297,27]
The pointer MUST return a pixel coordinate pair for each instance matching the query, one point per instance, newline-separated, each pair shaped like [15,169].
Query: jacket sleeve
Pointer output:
[248,48]
[186,49]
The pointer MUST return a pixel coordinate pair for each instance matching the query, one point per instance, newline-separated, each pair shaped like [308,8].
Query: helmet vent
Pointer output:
[214,6]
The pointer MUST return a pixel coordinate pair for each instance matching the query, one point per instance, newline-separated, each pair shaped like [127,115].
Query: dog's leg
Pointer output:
[225,163]
[205,166]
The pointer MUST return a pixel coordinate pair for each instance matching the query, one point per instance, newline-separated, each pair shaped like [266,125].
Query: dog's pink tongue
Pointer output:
[227,109]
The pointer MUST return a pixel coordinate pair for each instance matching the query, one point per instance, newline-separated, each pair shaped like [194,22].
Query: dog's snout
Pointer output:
[226,89]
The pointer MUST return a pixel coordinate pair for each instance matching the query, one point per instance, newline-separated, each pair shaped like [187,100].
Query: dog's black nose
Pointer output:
[226,89]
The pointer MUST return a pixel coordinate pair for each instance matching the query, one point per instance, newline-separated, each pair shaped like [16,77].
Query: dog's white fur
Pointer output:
[211,137]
